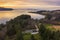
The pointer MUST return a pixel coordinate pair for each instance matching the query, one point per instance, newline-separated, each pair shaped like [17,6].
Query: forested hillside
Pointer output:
[24,27]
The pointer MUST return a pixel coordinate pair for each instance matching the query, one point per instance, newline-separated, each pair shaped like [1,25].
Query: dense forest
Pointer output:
[22,27]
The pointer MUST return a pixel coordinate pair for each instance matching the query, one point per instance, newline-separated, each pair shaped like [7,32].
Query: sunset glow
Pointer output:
[47,4]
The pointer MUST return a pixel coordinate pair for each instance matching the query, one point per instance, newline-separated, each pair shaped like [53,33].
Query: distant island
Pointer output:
[5,9]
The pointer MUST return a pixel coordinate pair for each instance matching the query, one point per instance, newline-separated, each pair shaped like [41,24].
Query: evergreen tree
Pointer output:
[57,35]
[42,32]
[11,30]
[32,37]
[47,34]
[19,35]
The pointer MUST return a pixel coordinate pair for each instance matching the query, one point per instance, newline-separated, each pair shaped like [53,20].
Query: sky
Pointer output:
[44,4]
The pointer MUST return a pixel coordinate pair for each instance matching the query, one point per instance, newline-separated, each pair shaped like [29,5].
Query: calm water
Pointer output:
[7,15]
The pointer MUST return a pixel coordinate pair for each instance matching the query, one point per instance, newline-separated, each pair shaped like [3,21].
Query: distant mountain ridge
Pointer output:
[5,9]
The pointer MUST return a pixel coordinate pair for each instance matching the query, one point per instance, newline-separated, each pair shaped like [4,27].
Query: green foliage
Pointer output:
[42,29]
[6,38]
[23,17]
[47,34]
[2,26]
[57,35]
[27,36]
[37,37]
[32,37]
[11,30]
[19,35]
[15,30]
[42,32]
[49,17]
[14,26]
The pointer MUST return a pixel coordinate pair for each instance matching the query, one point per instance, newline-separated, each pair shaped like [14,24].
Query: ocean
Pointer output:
[8,15]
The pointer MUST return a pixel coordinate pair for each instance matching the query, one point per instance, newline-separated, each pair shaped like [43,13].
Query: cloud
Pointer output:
[31,4]
[53,2]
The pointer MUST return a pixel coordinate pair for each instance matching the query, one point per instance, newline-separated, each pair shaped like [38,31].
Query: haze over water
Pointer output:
[8,15]
[16,4]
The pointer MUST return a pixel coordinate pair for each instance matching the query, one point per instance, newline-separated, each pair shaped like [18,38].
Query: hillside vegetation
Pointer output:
[52,17]
[23,27]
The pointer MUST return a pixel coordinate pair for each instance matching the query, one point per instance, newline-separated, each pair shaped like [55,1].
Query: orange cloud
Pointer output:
[27,4]
[2,3]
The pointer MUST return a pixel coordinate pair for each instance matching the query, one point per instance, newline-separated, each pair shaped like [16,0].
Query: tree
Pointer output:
[32,37]
[11,30]
[47,34]
[19,35]
[2,26]
[49,16]
[23,17]
[42,32]
[6,38]
[57,35]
